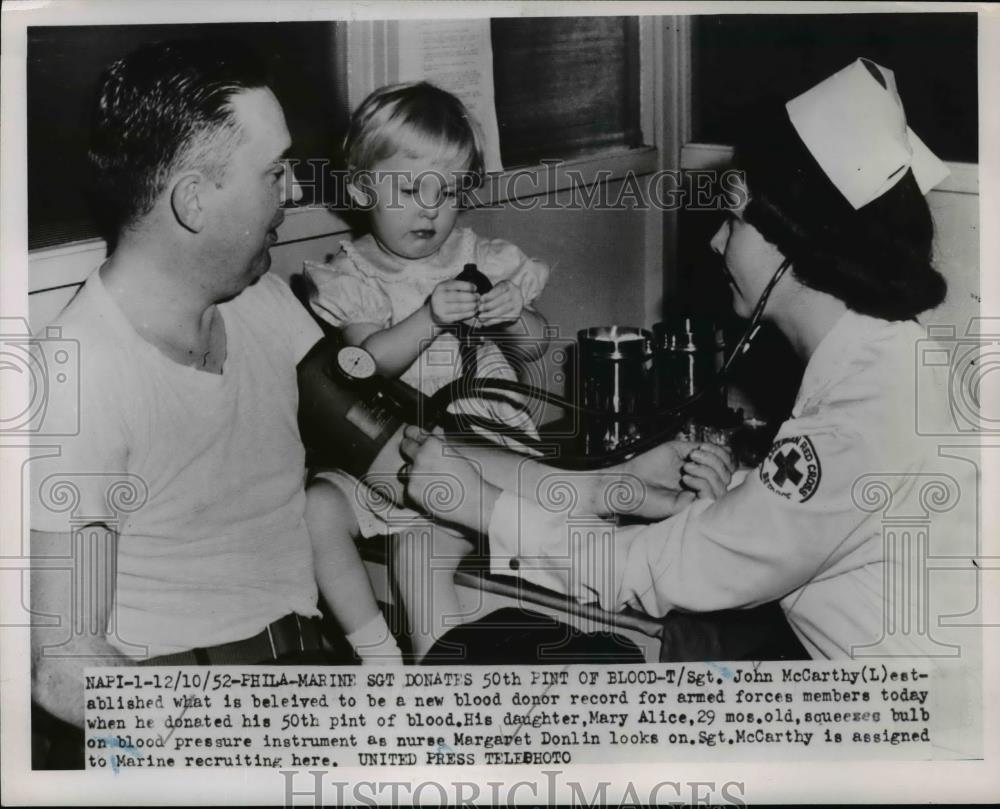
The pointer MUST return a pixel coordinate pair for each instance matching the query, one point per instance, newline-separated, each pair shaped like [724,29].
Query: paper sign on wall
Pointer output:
[456,55]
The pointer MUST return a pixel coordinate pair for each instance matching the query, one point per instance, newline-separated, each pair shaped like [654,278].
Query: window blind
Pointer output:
[565,86]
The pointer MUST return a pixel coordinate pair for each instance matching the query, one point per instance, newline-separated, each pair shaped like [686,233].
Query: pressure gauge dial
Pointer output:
[355,362]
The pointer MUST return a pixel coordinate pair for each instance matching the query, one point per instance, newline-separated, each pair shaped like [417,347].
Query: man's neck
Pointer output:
[154,288]
[143,276]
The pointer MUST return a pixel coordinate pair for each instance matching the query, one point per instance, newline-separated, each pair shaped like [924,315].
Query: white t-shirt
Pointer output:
[200,474]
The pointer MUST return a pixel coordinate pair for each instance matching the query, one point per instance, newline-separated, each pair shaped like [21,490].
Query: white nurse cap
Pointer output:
[854,125]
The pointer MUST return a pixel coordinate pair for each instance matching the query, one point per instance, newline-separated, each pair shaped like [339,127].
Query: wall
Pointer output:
[597,260]
[956,253]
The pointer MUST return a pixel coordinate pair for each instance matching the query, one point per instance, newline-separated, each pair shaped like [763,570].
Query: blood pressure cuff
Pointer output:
[345,423]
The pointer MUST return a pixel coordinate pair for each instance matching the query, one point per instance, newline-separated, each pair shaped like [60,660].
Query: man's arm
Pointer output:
[649,486]
[502,467]
[72,593]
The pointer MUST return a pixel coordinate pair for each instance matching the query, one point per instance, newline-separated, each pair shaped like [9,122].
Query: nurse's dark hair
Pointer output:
[163,108]
[877,259]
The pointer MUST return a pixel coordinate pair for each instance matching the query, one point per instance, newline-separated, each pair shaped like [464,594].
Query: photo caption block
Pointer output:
[275,717]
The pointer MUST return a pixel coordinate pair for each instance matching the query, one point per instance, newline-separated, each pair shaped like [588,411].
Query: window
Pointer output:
[565,86]
[741,60]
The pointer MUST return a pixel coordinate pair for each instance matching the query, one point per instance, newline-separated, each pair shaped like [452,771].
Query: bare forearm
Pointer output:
[340,572]
[647,488]
[527,477]
[396,347]
[343,582]
[58,654]
[504,469]
[500,470]
[57,674]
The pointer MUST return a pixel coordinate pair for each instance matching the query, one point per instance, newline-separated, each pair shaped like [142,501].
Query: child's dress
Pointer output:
[363,284]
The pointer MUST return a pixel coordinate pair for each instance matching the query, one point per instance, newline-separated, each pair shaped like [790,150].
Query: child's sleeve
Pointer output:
[503,261]
[342,297]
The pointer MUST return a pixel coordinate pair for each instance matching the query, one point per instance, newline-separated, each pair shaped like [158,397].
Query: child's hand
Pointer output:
[502,304]
[707,471]
[453,301]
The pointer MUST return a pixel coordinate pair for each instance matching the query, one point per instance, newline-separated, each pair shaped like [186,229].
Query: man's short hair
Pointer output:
[164,108]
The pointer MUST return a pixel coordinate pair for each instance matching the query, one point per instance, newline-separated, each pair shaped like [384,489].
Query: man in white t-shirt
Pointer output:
[179,505]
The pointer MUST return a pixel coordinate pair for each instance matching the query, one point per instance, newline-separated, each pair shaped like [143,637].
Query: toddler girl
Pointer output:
[411,150]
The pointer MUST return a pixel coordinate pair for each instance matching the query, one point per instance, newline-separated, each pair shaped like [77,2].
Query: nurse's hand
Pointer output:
[707,471]
[666,479]
[443,484]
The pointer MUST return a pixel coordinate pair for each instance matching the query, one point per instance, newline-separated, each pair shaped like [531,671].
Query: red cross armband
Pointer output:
[792,469]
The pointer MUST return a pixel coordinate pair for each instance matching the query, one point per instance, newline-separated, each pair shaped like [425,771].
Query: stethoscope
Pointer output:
[356,363]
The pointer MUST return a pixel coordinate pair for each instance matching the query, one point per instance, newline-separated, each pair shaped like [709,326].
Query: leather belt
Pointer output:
[286,636]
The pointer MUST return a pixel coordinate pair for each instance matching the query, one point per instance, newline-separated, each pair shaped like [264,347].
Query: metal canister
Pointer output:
[688,353]
[616,377]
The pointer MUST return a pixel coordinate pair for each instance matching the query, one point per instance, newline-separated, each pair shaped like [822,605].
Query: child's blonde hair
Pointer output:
[414,116]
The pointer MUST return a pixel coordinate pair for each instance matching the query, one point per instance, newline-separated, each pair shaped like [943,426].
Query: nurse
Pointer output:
[829,235]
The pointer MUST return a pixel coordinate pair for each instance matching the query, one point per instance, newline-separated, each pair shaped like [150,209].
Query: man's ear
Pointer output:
[187,203]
